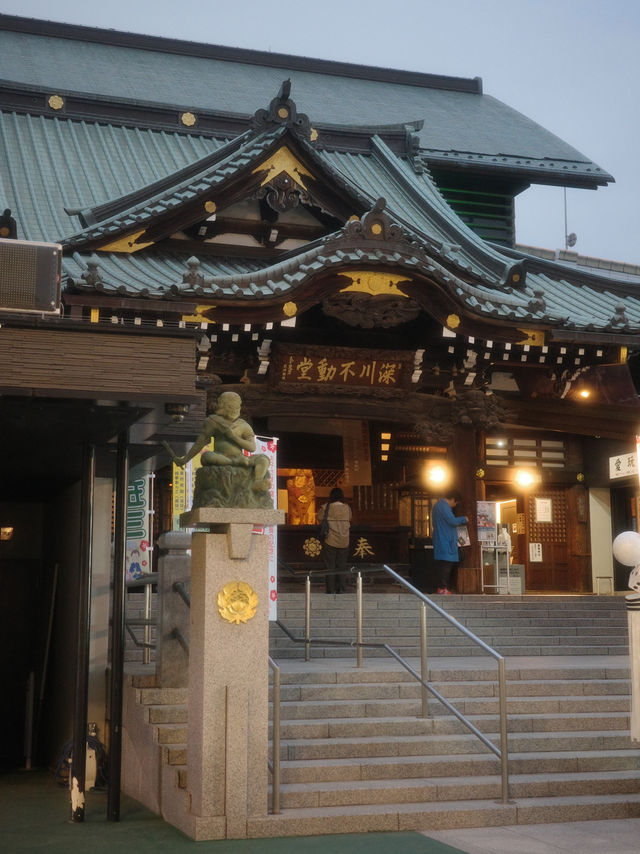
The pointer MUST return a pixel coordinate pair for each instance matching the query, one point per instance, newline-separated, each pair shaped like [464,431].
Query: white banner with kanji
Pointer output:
[269,447]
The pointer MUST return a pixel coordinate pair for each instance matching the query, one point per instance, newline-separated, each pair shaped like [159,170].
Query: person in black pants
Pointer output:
[445,539]
[335,548]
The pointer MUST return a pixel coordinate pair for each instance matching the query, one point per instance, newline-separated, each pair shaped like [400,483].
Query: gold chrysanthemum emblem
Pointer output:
[312,547]
[237,602]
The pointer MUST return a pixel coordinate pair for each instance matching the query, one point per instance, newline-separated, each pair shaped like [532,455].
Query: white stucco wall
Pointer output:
[601,539]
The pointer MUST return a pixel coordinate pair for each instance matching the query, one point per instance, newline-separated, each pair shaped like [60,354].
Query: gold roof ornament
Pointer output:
[534,337]
[237,602]
[188,119]
[374,282]
[128,243]
[283,160]
[56,102]
[453,321]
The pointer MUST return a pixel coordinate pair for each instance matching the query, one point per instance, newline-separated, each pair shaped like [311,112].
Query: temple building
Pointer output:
[337,244]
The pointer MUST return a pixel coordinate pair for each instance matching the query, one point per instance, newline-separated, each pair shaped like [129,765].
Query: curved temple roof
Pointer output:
[88,183]
[460,124]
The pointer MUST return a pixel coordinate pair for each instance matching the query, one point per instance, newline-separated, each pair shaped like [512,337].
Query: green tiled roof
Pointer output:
[75,182]
[460,123]
[49,164]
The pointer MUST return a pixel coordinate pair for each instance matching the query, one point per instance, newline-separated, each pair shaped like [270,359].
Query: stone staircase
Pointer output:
[357,756]
[354,745]
[512,625]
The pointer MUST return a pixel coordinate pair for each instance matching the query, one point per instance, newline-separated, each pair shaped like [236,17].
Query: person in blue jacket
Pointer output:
[445,539]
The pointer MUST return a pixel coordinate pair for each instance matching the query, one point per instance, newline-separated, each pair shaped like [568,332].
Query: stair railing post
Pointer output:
[359,618]
[275,782]
[424,670]
[307,618]
[504,749]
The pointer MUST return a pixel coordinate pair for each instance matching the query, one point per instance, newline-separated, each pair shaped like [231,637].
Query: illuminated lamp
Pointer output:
[437,474]
[524,477]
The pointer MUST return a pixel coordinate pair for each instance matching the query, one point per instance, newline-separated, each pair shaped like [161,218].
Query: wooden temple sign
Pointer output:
[331,367]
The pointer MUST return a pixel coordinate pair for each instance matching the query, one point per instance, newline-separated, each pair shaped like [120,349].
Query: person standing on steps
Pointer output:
[335,548]
[445,539]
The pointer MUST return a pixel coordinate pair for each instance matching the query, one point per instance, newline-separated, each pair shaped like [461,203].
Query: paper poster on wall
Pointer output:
[486,521]
[269,447]
[535,552]
[139,531]
[544,510]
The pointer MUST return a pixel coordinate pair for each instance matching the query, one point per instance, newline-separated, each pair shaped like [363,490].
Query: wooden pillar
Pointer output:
[465,461]
[579,542]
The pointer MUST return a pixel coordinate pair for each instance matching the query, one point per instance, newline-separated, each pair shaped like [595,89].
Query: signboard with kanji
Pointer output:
[623,465]
[330,366]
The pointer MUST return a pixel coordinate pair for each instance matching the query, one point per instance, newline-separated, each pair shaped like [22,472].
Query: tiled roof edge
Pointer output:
[571,267]
[15,23]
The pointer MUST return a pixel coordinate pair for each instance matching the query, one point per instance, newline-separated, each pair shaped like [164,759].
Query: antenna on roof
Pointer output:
[569,239]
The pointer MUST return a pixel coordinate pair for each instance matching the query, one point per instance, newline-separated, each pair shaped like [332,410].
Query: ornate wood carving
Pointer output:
[470,408]
[282,193]
[369,311]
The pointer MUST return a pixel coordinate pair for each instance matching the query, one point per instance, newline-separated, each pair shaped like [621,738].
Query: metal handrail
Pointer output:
[144,644]
[180,587]
[146,580]
[176,634]
[274,765]
[422,677]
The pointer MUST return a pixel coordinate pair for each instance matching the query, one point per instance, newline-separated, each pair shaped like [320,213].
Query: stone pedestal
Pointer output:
[228,670]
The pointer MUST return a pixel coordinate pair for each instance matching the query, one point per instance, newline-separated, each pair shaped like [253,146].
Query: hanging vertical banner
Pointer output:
[181,493]
[183,484]
[138,554]
[269,447]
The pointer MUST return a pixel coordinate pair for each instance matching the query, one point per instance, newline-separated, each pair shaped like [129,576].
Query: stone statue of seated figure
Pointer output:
[229,477]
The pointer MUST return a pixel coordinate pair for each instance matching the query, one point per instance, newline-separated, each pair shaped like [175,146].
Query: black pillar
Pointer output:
[118,629]
[83,626]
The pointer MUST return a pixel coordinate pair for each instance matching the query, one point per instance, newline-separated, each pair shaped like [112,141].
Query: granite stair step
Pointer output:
[446,815]
[168,714]
[305,795]
[469,764]
[171,734]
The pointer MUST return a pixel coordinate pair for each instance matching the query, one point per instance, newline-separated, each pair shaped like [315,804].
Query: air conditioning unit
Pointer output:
[30,276]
